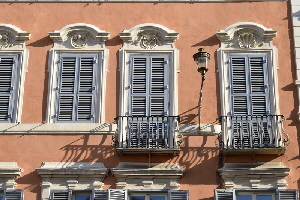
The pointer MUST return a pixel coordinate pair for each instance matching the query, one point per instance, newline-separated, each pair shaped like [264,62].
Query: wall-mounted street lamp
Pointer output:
[201,58]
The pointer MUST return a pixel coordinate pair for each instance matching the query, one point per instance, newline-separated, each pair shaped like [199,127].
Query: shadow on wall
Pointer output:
[89,153]
[33,181]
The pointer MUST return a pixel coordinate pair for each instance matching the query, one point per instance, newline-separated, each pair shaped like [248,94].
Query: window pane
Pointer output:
[157,198]
[82,197]
[137,197]
[1,197]
[264,197]
[247,197]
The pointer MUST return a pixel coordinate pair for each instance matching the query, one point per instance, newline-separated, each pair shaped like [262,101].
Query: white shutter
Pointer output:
[100,195]
[178,195]
[77,88]
[86,89]
[287,194]
[13,195]
[117,194]
[149,102]
[249,101]
[7,84]
[221,194]
[66,96]
[61,195]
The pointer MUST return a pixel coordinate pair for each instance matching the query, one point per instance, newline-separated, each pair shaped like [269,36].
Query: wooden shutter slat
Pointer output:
[221,194]
[61,195]
[84,108]
[287,194]
[178,195]
[86,74]
[117,195]
[67,80]
[13,195]
[100,195]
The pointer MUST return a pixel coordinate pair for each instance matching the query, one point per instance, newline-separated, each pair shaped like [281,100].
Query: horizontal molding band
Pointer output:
[132,1]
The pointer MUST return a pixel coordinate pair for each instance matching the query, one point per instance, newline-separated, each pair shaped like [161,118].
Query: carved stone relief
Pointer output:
[5,41]
[149,40]
[78,41]
[246,41]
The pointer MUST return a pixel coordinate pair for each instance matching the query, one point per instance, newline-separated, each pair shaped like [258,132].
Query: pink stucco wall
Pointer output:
[197,24]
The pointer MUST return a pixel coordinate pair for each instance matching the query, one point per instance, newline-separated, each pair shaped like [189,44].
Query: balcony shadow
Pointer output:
[90,153]
[211,41]
[115,41]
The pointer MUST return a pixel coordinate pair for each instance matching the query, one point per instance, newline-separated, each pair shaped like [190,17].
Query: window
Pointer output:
[13,62]
[73,195]
[11,194]
[77,71]
[148,195]
[77,88]
[148,95]
[248,80]
[240,194]
[72,180]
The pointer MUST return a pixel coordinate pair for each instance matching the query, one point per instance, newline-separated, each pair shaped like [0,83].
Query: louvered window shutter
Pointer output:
[178,195]
[61,195]
[13,195]
[7,87]
[77,89]
[149,102]
[100,195]
[117,194]
[287,194]
[221,194]
[249,92]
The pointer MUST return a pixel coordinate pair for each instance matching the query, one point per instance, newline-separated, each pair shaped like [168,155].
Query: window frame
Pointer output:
[91,42]
[95,96]
[133,45]
[13,44]
[233,42]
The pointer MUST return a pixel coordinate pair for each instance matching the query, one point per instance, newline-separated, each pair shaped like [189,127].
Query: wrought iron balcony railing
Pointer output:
[252,131]
[147,132]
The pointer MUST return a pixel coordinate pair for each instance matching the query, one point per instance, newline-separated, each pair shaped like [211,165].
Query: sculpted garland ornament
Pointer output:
[149,40]
[78,41]
[5,41]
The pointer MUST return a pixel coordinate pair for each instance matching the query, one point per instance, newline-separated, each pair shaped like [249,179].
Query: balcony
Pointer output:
[147,135]
[253,134]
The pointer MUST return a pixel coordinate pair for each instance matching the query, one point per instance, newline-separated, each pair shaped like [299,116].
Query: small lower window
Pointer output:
[147,197]
[80,196]
[255,197]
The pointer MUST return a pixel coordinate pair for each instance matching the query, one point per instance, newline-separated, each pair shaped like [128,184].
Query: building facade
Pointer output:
[101,100]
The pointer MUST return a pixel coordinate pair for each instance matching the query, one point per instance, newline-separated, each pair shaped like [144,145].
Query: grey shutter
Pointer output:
[61,195]
[287,194]
[221,194]
[100,195]
[13,195]
[149,102]
[86,89]
[117,194]
[249,101]
[7,84]
[178,195]
[66,97]
[77,88]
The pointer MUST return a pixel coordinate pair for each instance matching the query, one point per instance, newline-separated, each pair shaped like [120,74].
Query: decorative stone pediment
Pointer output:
[79,36]
[148,36]
[72,175]
[147,175]
[11,37]
[254,175]
[9,171]
[246,35]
